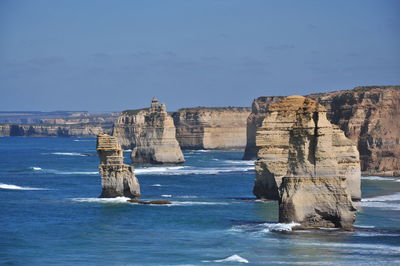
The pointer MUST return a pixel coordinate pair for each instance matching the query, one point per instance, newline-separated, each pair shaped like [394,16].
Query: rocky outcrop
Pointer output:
[150,133]
[52,130]
[117,178]
[300,161]
[272,140]
[211,128]
[370,116]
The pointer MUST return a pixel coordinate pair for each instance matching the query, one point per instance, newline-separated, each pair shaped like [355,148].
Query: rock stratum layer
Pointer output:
[368,115]
[117,179]
[307,164]
[211,128]
[150,134]
[59,130]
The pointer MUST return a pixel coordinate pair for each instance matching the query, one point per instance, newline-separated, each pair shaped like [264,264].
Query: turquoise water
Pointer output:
[50,214]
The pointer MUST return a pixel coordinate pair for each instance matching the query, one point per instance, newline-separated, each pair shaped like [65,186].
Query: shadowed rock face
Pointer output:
[150,133]
[370,116]
[307,164]
[117,178]
[211,128]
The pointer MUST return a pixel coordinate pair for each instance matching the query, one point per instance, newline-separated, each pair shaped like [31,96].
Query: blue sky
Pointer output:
[115,55]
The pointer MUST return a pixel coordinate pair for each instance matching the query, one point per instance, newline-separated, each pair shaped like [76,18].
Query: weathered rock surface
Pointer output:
[150,133]
[273,142]
[368,115]
[211,128]
[299,158]
[56,130]
[117,178]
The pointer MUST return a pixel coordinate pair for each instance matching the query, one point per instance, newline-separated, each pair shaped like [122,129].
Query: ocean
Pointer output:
[50,213]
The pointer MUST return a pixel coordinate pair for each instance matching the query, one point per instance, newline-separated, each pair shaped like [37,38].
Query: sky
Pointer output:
[116,55]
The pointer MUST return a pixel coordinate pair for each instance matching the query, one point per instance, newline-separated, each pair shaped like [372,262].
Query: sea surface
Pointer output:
[50,213]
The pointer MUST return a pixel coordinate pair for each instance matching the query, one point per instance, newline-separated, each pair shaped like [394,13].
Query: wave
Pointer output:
[83,140]
[68,153]
[264,227]
[179,197]
[191,203]
[242,162]
[187,170]
[379,178]
[15,187]
[233,258]
[58,172]
[128,150]
[166,196]
[156,185]
[384,202]
[102,200]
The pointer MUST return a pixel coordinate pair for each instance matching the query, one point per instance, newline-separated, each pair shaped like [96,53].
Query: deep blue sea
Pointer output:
[50,213]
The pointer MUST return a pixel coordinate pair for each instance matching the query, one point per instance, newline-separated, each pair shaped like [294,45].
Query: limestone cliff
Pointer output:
[273,142]
[368,115]
[299,156]
[150,133]
[211,128]
[53,130]
[117,178]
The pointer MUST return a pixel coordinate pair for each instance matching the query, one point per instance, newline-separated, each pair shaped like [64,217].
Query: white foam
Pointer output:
[364,226]
[187,170]
[280,227]
[187,197]
[264,228]
[191,203]
[384,202]
[242,162]
[156,185]
[233,258]
[166,196]
[15,187]
[58,172]
[34,168]
[128,150]
[84,139]
[378,178]
[102,200]
[392,197]
[68,153]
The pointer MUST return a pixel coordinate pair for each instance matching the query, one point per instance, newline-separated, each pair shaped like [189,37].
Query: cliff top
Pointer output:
[107,142]
[296,102]
[227,108]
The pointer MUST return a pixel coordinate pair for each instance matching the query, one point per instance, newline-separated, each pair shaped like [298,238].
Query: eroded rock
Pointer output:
[117,179]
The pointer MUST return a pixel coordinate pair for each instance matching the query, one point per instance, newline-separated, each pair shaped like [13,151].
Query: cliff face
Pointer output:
[368,115]
[273,142]
[150,133]
[117,178]
[211,128]
[300,155]
[40,130]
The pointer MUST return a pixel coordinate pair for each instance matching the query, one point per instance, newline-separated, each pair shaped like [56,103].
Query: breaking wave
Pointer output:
[264,227]
[379,178]
[15,187]
[186,170]
[390,202]
[68,153]
[59,172]
[102,200]
[233,258]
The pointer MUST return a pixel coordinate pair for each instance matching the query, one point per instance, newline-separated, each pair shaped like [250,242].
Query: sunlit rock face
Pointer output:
[369,116]
[117,178]
[307,164]
[211,128]
[150,134]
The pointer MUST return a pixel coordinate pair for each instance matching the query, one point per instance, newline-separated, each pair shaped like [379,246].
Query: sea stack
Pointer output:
[117,179]
[307,164]
[150,134]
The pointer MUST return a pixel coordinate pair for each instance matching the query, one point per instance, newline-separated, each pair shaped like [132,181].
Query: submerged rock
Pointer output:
[307,164]
[150,134]
[117,179]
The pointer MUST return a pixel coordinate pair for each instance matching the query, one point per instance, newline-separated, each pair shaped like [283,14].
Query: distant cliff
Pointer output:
[150,133]
[211,128]
[369,115]
[55,124]
[59,130]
